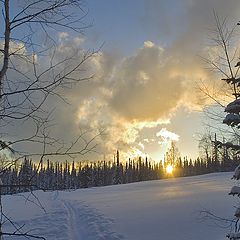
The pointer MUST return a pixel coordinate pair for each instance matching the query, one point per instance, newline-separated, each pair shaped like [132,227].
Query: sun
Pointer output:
[169,169]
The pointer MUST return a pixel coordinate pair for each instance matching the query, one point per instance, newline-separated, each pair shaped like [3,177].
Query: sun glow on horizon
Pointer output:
[169,169]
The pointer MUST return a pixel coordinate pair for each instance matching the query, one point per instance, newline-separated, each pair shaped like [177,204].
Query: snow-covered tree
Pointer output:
[226,63]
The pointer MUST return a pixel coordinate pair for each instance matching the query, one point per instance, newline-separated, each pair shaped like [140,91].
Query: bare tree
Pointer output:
[172,154]
[33,75]
[205,146]
[220,58]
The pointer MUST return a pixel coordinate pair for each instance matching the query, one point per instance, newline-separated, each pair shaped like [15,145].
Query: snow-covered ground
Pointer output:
[154,210]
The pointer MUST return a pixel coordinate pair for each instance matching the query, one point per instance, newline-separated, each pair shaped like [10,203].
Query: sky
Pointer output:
[151,48]
[145,90]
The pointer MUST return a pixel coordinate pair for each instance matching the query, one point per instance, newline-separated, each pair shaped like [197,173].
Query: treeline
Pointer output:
[204,166]
[60,176]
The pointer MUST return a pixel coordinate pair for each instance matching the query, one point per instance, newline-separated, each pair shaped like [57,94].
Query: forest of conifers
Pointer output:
[60,176]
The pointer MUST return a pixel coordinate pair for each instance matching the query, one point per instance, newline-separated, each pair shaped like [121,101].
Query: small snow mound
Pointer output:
[233,236]
[233,107]
[237,213]
[232,119]
[235,191]
[236,174]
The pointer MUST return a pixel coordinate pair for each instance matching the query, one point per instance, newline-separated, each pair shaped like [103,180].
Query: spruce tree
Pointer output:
[117,176]
[227,64]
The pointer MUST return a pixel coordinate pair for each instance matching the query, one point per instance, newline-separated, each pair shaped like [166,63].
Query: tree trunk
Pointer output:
[6,45]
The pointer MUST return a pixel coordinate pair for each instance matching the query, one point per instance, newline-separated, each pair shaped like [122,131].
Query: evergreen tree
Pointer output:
[227,64]
[117,176]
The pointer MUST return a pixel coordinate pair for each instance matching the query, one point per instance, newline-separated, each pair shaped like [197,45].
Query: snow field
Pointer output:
[153,210]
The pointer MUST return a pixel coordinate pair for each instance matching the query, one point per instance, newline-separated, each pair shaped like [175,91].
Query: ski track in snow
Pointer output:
[85,223]
[75,231]
[69,220]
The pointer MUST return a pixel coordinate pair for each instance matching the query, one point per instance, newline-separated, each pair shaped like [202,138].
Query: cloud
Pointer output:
[167,135]
[131,96]
[151,84]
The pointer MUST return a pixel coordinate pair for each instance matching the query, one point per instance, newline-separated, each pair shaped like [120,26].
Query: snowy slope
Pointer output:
[153,210]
